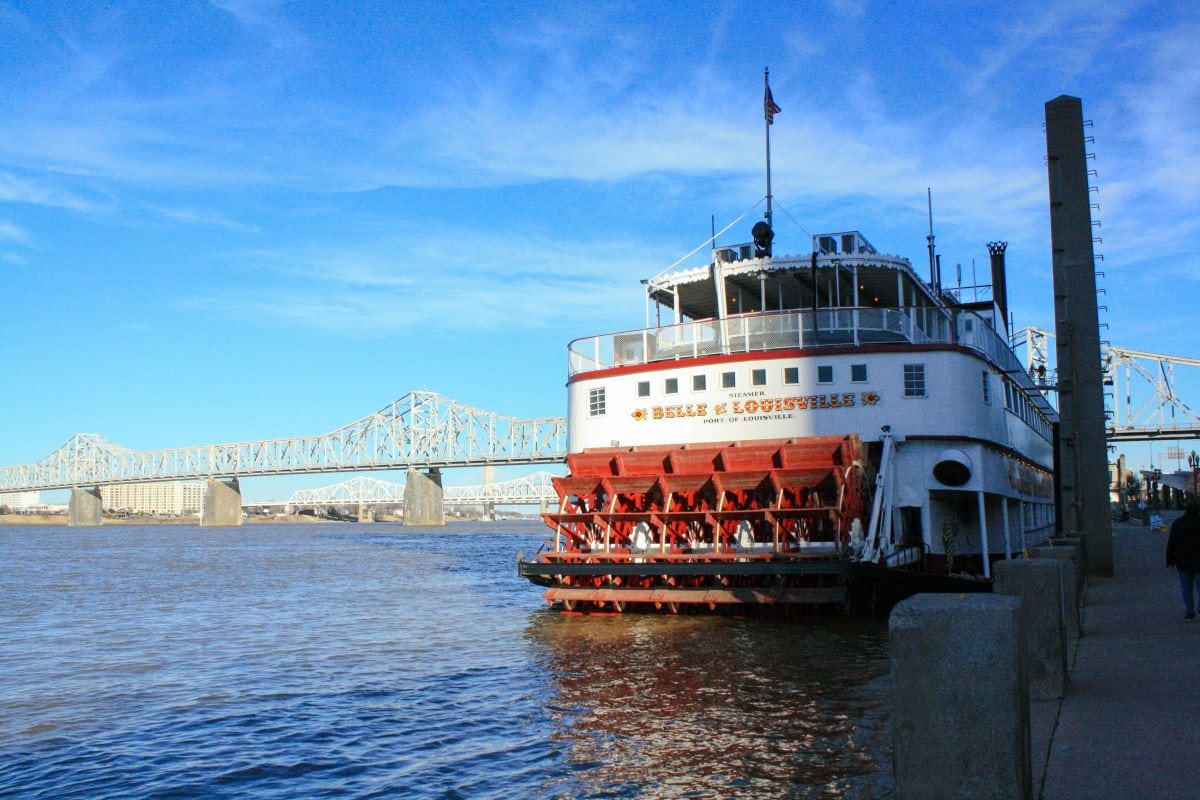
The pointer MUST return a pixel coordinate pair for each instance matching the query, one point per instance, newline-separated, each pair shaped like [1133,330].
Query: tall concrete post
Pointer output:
[365,513]
[222,504]
[423,498]
[83,509]
[960,698]
[1082,443]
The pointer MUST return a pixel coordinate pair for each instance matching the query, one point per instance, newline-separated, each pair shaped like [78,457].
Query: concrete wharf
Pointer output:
[1129,724]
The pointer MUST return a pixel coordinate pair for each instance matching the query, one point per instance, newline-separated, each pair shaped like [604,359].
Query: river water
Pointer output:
[342,660]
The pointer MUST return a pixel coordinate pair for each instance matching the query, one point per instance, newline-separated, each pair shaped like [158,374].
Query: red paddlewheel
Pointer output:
[633,508]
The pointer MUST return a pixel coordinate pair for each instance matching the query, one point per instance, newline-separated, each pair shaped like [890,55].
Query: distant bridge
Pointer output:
[536,489]
[419,430]
[1159,413]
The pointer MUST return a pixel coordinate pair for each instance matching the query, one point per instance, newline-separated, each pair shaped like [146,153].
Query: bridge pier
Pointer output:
[83,510]
[423,497]
[365,513]
[489,506]
[222,504]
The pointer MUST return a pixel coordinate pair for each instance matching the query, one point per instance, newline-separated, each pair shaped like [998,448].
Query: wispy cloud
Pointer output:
[16,189]
[13,258]
[1163,113]
[10,232]
[265,18]
[397,283]
[206,217]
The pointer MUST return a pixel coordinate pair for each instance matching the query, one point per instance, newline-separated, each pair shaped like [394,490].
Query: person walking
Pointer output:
[1183,553]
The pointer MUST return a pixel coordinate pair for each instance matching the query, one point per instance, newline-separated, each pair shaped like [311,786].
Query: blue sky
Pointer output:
[236,220]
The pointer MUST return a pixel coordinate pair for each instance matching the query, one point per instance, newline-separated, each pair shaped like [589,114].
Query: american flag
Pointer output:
[769,107]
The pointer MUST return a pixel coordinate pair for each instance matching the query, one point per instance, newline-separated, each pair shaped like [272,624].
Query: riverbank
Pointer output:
[61,519]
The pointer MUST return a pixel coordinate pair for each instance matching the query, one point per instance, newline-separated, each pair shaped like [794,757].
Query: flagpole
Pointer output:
[767,134]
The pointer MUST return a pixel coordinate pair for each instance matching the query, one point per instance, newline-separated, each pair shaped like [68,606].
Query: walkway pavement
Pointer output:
[1129,726]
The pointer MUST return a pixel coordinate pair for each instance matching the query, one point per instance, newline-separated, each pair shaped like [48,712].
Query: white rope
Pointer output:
[706,242]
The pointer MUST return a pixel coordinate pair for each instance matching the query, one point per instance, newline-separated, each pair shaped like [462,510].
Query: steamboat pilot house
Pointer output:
[694,438]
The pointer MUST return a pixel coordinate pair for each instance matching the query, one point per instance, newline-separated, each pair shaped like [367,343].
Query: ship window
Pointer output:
[671,386]
[643,389]
[596,402]
[858,373]
[728,380]
[825,374]
[758,377]
[914,380]
[699,383]
[791,374]
[987,394]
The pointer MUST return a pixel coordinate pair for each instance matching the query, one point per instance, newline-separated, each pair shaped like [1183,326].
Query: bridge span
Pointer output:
[1143,400]
[421,432]
[365,492]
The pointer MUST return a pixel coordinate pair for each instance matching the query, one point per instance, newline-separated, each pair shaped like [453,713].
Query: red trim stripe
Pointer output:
[807,352]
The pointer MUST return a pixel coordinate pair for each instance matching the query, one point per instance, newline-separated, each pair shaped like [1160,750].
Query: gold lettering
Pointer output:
[702,409]
[789,404]
[848,399]
[657,412]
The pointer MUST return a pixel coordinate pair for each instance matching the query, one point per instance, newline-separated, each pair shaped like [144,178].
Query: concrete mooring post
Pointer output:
[1082,454]
[1038,582]
[1073,579]
[84,508]
[423,498]
[222,504]
[960,715]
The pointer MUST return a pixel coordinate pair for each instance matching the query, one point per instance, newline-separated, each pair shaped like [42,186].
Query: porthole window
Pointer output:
[671,386]
[643,389]
[699,383]
[858,373]
[758,377]
[728,380]
[825,374]
[791,375]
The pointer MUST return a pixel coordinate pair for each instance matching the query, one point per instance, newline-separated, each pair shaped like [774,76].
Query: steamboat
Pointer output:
[827,428]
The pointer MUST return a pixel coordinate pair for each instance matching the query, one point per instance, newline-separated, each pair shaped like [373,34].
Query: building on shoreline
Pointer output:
[20,501]
[163,497]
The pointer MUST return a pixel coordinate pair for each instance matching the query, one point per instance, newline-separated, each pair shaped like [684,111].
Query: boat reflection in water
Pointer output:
[715,706]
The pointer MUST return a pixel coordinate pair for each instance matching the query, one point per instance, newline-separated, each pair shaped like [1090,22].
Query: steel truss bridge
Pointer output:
[1157,413]
[421,429]
[536,489]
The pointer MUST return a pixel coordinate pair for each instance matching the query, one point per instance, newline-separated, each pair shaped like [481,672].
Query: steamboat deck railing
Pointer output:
[808,329]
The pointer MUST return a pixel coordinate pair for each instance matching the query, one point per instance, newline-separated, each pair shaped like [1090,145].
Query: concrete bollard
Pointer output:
[1038,582]
[1082,537]
[960,719]
[1078,541]
[1072,588]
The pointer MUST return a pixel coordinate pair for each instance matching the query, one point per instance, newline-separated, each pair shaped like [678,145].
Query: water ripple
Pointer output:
[346,662]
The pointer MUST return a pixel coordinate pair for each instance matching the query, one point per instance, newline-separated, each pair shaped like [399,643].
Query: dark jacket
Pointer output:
[1183,545]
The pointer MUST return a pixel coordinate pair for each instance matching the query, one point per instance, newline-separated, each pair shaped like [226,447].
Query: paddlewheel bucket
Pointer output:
[704,525]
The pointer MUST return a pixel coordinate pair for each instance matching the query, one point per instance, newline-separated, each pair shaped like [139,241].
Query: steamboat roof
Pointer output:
[844,268]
